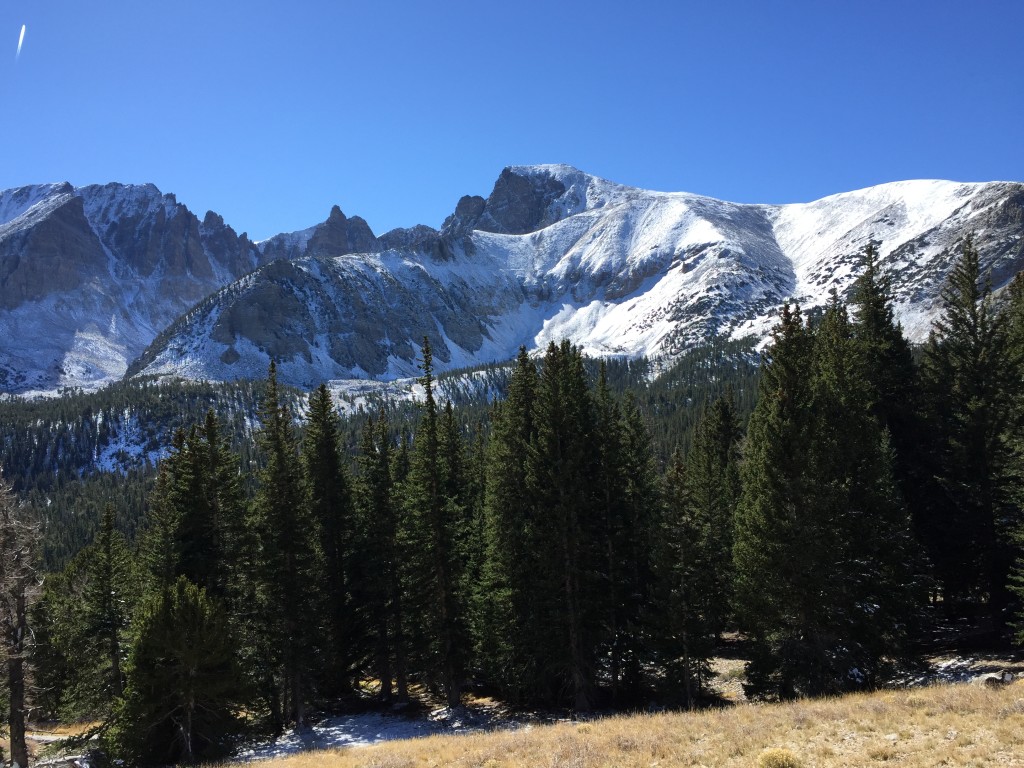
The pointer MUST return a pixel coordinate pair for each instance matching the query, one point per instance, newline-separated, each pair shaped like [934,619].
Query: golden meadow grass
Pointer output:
[943,725]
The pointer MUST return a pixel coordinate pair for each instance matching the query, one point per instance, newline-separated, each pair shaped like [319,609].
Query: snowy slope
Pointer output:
[103,280]
[554,252]
[90,275]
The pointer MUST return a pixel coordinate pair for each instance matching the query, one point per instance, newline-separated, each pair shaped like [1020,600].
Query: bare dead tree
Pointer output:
[19,588]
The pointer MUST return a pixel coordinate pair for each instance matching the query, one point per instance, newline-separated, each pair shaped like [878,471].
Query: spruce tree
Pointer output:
[182,699]
[506,622]
[889,369]
[378,565]
[287,563]
[562,475]
[968,385]
[108,600]
[683,631]
[695,548]
[643,495]
[1013,311]
[436,514]
[615,562]
[822,545]
[330,503]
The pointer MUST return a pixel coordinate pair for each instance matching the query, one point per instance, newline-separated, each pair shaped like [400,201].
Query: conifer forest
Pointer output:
[576,536]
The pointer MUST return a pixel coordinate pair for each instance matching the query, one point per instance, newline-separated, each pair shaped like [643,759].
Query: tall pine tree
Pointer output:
[437,519]
[288,564]
[331,509]
[968,385]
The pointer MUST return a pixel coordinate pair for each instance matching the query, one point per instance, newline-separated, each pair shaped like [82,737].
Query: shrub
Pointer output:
[778,758]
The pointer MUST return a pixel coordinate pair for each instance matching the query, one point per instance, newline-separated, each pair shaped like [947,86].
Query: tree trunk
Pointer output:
[16,680]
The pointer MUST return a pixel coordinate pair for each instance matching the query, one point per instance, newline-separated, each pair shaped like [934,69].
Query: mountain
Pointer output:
[90,275]
[100,281]
[554,252]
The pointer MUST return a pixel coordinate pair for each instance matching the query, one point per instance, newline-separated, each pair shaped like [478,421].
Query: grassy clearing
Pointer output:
[944,725]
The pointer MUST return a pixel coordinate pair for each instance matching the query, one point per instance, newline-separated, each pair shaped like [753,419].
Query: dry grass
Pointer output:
[60,729]
[954,725]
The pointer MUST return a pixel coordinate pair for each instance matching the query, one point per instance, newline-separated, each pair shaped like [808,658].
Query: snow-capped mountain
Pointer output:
[98,280]
[90,275]
[554,252]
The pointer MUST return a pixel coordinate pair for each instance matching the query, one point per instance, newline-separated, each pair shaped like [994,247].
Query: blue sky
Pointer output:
[269,113]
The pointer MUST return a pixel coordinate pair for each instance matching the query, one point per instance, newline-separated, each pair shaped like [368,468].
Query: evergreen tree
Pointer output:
[1013,311]
[330,503]
[287,564]
[181,702]
[822,544]
[507,636]
[684,632]
[695,548]
[615,563]
[562,475]
[436,515]
[968,385]
[852,464]
[889,369]
[108,600]
[377,574]
[195,520]
[226,502]
[643,496]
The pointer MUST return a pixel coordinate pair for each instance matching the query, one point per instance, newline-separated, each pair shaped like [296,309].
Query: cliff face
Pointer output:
[88,276]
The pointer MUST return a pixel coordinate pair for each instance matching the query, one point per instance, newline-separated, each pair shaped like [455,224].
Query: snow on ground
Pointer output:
[360,730]
[373,727]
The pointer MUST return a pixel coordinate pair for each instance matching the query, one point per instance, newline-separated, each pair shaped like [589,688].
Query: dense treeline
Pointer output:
[583,542]
[69,457]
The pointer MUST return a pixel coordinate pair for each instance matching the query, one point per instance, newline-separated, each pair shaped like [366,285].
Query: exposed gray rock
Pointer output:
[340,235]
[89,276]
[408,238]
[519,203]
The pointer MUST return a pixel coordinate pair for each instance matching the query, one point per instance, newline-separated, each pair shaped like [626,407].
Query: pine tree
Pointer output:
[288,565]
[822,544]
[330,502]
[506,625]
[562,475]
[182,701]
[967,380]
[377,573]
[436,515]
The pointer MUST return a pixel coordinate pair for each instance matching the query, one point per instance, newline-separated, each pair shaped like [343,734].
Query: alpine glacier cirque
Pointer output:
[551,252]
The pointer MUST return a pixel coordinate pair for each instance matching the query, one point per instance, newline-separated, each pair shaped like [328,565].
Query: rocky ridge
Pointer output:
[555,252]
[551,252]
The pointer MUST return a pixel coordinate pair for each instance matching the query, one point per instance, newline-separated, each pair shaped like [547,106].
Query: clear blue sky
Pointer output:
[269,113]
